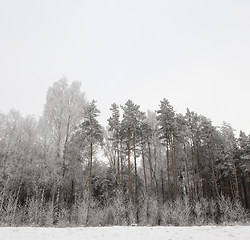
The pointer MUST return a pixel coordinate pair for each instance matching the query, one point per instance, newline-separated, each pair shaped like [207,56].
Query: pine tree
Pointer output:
[166,120]
[230,143]
[243,167]
[114,129]
[91,133]
[132,117]
[193,133]
[208,136]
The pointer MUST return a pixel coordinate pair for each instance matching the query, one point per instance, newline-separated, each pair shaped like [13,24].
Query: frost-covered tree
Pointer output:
[90,132]
[62,112]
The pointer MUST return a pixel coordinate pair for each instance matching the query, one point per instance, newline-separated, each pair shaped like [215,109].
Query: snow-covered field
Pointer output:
[128,233]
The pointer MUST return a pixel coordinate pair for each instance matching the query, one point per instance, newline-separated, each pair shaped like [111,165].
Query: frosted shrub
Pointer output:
[167,213]
[153,212]
[6,210]
[98,217]
[80,213]
[231,212]
[130,213]
[144,213]
[212,211]
[205,204]
[226,209]
[63,220]
[33,212]
[240,214]
[118,209]
[17,217]
[47,219]
[36,212]
[181,212]
[176,212]
[11,214]
[185,211]
[200,211]
[109,216]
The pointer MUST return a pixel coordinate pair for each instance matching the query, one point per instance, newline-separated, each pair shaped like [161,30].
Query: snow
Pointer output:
[128,233]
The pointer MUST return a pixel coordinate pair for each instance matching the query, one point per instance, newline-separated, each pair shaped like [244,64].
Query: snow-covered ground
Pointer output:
[128,233]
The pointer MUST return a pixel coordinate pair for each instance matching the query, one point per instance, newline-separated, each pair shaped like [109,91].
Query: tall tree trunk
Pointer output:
[207,187]
[168,170]
[145,182]
[197,168]
[194,192]
[151,169]
[53,200]
[65,147]
[129,172]
[244,187]
[90,176]
[114,167]
[162,187]
[56,209]
[213,172]
[154,174]
[189,190]
[15,204]
[157,191]
[121,158]
[224,184]
[235,173]
[231,186]
[176,170]
[71,199]
[136,184]
[118,167]
[173,165]
[144,171]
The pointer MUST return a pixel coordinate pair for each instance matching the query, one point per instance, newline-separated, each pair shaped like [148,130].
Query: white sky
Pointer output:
[196,54]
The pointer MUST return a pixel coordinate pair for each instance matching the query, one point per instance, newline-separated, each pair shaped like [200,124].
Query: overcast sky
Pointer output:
[196,54]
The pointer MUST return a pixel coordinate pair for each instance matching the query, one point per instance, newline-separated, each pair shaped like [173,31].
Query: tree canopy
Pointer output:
[140,164]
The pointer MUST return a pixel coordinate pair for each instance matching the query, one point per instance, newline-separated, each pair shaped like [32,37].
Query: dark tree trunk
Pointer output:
[90,176]
[150,167]
[213,172]
[129,171]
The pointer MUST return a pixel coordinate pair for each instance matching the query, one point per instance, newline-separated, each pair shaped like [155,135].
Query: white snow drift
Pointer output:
[128,233]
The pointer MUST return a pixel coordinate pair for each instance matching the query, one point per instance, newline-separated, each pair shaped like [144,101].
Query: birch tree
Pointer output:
[62,112]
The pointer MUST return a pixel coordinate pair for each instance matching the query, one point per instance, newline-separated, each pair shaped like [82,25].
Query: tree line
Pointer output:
[156,168]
